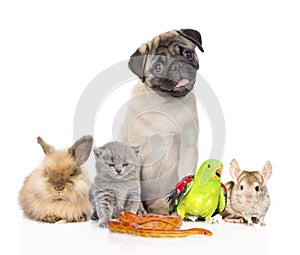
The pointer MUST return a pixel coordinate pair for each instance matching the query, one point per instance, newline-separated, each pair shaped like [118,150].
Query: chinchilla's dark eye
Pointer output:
[256,188]
[111,165]
[188,54]
[157,68]
[125,164]
[242,187]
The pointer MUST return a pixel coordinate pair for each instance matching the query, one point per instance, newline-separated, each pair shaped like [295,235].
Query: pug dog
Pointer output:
[161,114]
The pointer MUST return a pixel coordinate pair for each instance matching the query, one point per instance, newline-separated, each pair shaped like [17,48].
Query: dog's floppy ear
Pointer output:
[192,35]
[138,60]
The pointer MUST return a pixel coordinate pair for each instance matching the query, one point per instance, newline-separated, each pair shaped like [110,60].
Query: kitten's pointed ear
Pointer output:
[98,151]
[137,149]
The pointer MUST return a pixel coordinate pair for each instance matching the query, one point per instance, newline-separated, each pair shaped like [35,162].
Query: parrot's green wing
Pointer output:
[222,200]
[180,191]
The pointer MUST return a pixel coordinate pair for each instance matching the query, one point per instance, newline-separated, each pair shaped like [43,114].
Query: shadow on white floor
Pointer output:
[87,237]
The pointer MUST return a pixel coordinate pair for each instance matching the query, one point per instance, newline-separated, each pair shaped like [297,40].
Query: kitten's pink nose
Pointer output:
[118,170]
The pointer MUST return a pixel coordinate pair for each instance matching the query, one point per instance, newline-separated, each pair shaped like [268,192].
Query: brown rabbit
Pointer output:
[57,190]
[248,198]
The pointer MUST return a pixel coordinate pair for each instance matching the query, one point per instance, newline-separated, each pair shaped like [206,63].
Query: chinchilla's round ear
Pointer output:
[138,61]
[192,35]
[266,171]
[235,170]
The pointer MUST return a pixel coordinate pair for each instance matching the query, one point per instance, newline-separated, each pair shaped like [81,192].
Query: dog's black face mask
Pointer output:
[168,64]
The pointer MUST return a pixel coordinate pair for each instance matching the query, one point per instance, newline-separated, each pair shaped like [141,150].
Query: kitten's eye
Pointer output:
[256,188]
[111,165]
[125,164]
[242,187]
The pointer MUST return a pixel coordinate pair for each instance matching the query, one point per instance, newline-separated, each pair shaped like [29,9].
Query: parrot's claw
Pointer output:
[214,220]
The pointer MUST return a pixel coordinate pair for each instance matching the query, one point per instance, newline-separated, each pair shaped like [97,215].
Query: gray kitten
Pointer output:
[116,186]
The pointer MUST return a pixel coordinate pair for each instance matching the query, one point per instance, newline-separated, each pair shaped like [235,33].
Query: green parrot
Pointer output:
[202,195]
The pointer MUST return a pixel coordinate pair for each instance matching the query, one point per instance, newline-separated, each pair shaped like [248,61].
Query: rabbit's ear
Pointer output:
[46,147]
[235,170]
[81,149]
[266,171]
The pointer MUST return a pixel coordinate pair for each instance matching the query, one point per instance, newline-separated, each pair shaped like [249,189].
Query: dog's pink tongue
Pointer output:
[182,83]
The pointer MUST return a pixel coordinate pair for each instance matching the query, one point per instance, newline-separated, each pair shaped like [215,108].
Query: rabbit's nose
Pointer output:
[59,187]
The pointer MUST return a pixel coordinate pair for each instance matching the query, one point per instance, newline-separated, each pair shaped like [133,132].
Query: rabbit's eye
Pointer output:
[111,165]
[256,188]
[74,172]
[242,187]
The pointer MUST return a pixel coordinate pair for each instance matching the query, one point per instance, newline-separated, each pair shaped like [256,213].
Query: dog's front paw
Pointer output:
[141,209]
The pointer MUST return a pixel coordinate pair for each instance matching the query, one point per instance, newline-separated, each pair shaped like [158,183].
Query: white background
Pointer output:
[50,51]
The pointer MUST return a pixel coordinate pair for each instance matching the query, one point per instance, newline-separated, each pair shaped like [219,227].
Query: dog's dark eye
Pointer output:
[125,164]
[157,68]
[256,188]
[188,54]
[111,165]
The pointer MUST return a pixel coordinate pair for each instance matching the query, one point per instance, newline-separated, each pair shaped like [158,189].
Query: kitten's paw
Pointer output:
[94,216]
[141,209]
[102,224]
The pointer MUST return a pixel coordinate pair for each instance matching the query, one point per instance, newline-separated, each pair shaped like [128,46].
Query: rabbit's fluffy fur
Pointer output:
[57,190]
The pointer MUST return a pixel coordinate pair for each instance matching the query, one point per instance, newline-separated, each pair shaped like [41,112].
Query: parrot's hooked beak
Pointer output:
[219,172]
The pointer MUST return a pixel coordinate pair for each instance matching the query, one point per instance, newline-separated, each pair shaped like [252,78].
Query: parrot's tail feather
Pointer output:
[171,199]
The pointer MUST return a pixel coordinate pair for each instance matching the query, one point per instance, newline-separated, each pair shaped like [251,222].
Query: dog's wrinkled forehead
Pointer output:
[165,44]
